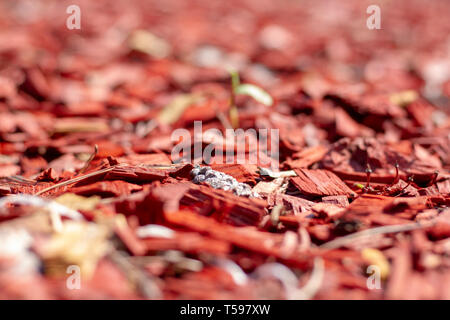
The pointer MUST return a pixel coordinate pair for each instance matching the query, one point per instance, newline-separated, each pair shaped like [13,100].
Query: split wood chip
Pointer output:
[320,183]
[264,187]
[341,201]
[327,210]
[246,238]
[107,188]
[136,174]
[307,157]
[296,204]
[227,207]
[275,175]
[242,173]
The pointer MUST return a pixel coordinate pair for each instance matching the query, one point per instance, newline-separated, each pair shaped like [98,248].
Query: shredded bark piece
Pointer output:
[320,183]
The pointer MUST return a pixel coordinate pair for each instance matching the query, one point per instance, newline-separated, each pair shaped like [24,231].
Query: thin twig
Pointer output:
[339,242]
[410,181]
[161,166]
[223,119]
[77,179]
[150,126]
[88,162]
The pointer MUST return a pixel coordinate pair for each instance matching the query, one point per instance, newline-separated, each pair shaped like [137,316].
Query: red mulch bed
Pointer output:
[87,178]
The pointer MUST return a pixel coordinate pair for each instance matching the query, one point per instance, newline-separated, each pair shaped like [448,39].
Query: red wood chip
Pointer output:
[320,183]
[107,188]
[329,149]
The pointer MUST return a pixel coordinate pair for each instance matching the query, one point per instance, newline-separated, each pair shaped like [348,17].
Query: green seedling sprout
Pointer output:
[245,89]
